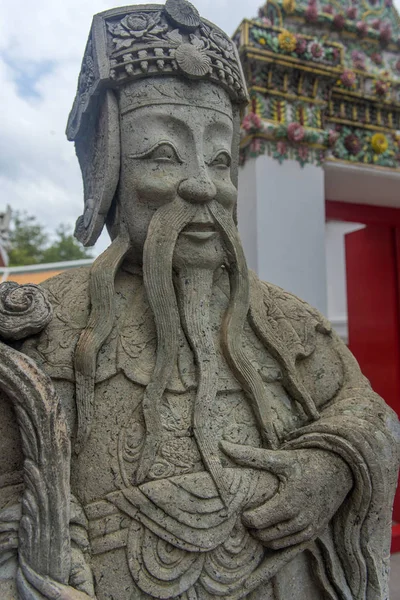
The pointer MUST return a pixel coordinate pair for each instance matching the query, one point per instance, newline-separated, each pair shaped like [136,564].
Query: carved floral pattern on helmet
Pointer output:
[136,26]
[183,14]
[87,76]
[223,44]
[169,40]
[192,58]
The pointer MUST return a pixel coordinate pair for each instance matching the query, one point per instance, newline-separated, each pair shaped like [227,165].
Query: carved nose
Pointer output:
[197,189]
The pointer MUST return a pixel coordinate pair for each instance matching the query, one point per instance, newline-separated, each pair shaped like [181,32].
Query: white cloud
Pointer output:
[41,47]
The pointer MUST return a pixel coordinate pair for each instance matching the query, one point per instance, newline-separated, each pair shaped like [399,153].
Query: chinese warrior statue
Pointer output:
[172,427]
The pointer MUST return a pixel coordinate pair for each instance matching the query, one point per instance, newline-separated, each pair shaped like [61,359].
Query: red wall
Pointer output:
[373,298]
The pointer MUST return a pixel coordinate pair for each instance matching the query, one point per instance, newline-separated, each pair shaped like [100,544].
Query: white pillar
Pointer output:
[281,213]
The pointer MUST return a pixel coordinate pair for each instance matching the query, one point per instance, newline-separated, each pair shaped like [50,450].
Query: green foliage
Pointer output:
[65,247]
[30,245]
[27,240]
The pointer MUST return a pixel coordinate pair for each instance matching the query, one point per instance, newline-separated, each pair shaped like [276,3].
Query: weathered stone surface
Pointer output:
[223,440]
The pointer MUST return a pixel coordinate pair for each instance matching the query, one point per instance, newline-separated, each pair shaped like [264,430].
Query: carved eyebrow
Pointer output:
[146,153]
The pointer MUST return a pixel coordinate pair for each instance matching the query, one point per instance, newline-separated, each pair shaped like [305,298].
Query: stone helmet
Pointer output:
[128,44]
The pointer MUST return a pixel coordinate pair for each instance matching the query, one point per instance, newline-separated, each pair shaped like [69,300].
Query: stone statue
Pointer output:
[171,427]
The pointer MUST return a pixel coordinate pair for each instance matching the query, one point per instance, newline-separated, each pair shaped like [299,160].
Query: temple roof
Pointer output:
[376,20]
[369,30]
[324,80]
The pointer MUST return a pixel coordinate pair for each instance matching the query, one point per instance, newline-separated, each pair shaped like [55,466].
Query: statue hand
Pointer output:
[313,485]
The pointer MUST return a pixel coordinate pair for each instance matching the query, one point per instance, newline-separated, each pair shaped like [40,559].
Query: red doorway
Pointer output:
[373,298]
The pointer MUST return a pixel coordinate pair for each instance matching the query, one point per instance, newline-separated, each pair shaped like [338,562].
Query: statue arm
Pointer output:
[338,474]
[358,426]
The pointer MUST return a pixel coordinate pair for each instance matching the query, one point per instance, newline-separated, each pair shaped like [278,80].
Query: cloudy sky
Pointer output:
[41,47]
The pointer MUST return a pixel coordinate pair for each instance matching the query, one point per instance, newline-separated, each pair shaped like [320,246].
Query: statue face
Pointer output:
[170,151]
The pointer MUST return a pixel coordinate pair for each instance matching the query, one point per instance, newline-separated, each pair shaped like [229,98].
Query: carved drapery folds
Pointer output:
[44,538]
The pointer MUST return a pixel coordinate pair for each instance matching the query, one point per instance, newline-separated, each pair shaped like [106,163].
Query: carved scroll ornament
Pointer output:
[44,553]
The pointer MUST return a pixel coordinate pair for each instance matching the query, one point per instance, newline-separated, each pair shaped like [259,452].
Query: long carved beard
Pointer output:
[158,252]
[194,293]
[195,289]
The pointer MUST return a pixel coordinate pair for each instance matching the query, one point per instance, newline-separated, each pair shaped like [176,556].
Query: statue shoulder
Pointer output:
[283,304]
[68,285]
[53,349]
[305,337]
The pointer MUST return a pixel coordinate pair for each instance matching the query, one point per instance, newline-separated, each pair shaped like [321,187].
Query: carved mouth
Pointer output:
[193,226]
[199,231]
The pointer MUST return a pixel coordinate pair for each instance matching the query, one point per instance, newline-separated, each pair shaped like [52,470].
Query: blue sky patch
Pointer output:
[27,74]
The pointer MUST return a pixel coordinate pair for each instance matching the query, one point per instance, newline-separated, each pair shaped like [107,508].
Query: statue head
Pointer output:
[156,121]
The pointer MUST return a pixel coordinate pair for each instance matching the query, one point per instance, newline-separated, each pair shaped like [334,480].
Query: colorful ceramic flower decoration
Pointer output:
[316,50]
[311,13]
[295,132]
[333,137]
[289,6]
[352,144]
[301,45]
[358,59]
[362,28]
[251,122]
[281,147]
[287,41]
[385,33]
[371,70]
[339,21]
[303,153]
[377,58]
[348,78]
[351,12]
[382,88]
[379,143]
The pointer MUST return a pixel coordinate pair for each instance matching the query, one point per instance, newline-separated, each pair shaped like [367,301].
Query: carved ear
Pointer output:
[98,151]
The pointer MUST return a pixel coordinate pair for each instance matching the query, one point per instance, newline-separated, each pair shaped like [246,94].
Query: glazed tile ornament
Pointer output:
[343,70]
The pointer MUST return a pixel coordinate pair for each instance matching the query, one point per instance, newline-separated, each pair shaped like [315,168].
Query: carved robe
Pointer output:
[172,536]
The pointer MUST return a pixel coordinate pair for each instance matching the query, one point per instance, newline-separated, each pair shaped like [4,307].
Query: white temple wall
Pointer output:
[247,212]
[282,225]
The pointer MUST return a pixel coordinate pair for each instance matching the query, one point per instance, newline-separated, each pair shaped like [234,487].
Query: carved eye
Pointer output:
[164,153]
[221,161]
